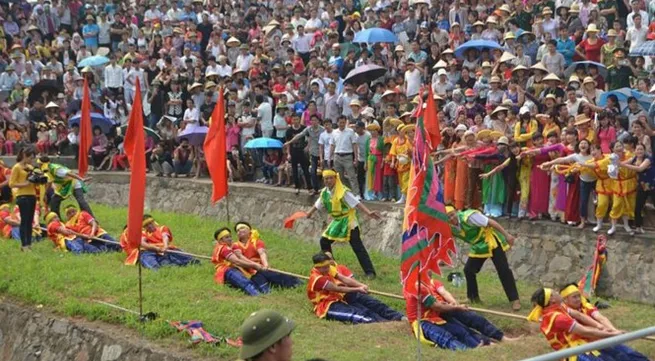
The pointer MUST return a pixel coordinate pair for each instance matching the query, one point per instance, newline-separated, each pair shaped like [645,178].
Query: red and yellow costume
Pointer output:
[5,227]
[429,295]
[53,232]
[251,248]
[401,149]
[623,189]
[36,225]
[82,223]
[585,307]
[220,256]
[321,298]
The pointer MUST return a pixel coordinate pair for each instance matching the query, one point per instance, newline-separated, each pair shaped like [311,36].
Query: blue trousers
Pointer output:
[236,279]
[476,322]
[153,260]
[373,305]
[109,247]
[354,314]
[585,357]
[15,233]
[622,353]
[441,337]
[79,246]
[265,279]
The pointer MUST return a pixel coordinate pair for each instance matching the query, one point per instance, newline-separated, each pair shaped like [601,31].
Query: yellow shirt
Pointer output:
[19,175]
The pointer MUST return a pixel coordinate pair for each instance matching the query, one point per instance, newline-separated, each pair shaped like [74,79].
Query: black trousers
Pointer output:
[473,267]
[27,207]
[357,246]
[361,178]
[298,157]
[55,202]
[511,187]
[642,197]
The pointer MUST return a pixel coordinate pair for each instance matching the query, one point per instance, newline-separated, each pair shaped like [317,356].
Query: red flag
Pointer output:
[289,221]
[215,150]
[85,132]
[134,145]
[431,121]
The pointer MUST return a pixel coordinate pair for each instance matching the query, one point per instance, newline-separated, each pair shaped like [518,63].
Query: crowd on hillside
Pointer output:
[527,128]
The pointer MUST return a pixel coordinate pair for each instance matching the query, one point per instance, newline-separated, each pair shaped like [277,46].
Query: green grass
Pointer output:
[66,284]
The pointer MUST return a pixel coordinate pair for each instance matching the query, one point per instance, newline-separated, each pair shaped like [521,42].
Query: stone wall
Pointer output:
[545,252]
[27,335]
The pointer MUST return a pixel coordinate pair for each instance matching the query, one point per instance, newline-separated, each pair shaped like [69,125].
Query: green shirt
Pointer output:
[618,77]
[608,4]
[524,20]
[481,239]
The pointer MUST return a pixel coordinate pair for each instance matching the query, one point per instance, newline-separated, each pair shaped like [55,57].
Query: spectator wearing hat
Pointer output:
[619,73]
[457,14]
[90,32]
[266,336]
[413,78]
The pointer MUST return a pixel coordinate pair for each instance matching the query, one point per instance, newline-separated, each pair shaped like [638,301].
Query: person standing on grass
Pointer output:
[64,183]
[342,206]
[230,268]
[25,194]
[488,239]
[266,336]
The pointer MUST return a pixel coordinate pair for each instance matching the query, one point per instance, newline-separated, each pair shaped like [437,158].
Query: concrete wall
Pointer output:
[27,335]
[545,252]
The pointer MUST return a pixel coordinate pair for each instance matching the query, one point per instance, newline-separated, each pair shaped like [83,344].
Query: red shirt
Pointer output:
[5,227]
[82,223]
[429,296]
[221,253]
[250,250]
[318,295]
[592,51]
[157,237]
[557,325]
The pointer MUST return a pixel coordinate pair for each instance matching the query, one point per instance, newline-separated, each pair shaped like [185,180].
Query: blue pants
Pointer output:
[15,233]
[152,260]
[108,247]
[622,353]
[236,279]
[585,357]
[354,314]
[79,246]
[265,279]
[441,337]
[463,334]
[373,305]
[476,322]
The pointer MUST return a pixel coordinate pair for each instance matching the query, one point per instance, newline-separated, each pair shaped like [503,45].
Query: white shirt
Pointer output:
[301,44]
[113,76]
[630,22]
[412,82]
[211,69]
[192,115]
[314,24]
[224,70]
[244,61]
[344,140]
[265,116]
[281,126]
[636,36]
[326,140]
[348,197]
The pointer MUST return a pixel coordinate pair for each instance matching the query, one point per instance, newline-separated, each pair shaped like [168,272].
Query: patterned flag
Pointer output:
[427,240]
[589,280]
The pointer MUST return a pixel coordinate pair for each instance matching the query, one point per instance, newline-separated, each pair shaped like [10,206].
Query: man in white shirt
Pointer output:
[265,116]
[345,99]
[224,69]
[244,60]
[636,35]
[191,115]
[630,20]
[314,23]
[325,142]
[344,151]
[113,75]
[301,43]
[363,137]
[212,67]
[129,80]
[412,79]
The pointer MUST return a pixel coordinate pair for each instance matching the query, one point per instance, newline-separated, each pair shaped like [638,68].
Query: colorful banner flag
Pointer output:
[136,154]
[589,280]
[86,134]
[215,150]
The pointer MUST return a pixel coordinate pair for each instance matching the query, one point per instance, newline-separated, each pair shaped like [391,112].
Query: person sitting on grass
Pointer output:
[250,247]
[230,268]
[566,328]
[83,223]
[9,226]
[64,238]
[573,299]
[337,296]
[155,242]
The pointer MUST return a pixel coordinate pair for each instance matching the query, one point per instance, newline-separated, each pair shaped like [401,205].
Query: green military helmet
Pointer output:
[261,330]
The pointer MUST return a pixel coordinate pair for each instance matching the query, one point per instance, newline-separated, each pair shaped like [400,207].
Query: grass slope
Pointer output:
[66,284]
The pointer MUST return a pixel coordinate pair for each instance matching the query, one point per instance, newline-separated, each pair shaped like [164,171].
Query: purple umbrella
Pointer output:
[194,133]
[364,74]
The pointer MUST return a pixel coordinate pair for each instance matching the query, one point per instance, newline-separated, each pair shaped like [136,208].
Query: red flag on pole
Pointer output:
[215,150]
[134,145]
[85,132]
[431,121]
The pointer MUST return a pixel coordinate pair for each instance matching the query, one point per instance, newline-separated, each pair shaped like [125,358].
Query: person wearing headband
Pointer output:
[487,239]
[230,269]
[155,242]
[8,223]
[250,247]
[65,183]
[338,297]
[64,239]
[565,328]
[401,157]
[342,206]
[83,223]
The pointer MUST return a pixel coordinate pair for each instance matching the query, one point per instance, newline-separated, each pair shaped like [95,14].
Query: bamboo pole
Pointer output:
[373,292]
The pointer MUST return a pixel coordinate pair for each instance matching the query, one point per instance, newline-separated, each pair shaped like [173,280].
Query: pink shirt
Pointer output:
[232,135]
[606,137]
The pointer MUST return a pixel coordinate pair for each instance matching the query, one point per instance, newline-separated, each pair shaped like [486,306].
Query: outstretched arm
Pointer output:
[510,239]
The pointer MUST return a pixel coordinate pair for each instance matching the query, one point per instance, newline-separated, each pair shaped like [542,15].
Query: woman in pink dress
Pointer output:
[606,133]
[539,182]
[311,110]
[232,132]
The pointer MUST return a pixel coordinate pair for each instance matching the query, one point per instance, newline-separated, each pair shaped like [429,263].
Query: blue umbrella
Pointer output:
[375,35]
[476,44]
[196,134]
[263,143]
[645,49]
[97,120]
[96,60]
[571,69]
[645,100]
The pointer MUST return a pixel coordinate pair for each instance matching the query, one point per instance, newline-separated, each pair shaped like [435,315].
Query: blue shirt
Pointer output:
[91,42]
[567,48]
[299,107]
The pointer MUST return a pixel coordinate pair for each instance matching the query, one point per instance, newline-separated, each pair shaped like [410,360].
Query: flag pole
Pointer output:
[227,207]
[140,293]
[418,314]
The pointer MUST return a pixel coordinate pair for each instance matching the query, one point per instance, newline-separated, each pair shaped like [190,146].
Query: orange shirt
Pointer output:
[5,227]
[157,237]
[221,253]
[318,295]
[429,295]
[82,223]
[250,250]
[57,238]
[556,325]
